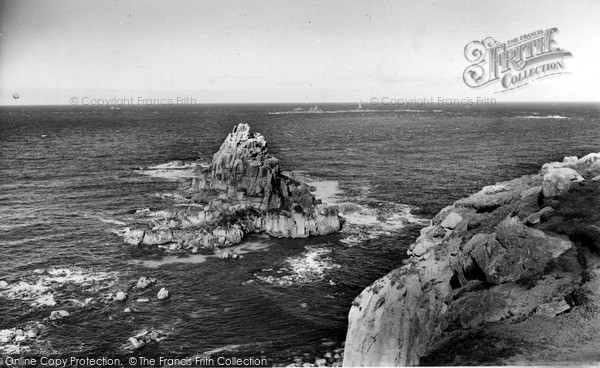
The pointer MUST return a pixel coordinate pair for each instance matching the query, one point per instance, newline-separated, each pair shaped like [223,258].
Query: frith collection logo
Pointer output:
[514,63]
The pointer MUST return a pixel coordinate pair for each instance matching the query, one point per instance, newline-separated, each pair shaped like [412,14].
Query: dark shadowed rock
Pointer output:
[542,215]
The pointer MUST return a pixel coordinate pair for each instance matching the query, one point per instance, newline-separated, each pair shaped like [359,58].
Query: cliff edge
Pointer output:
[508,275]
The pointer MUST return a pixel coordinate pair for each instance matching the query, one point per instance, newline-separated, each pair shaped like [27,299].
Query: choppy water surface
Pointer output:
[67,184]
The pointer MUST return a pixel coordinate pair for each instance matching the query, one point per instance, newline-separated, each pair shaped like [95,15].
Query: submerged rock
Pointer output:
[497,256]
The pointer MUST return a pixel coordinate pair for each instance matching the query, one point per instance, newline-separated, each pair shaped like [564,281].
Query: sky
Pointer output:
[241,51]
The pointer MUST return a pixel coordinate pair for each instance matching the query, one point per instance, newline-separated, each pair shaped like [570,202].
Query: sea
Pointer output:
[70,182]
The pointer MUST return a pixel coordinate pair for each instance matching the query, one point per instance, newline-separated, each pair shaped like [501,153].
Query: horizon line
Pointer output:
[365,105]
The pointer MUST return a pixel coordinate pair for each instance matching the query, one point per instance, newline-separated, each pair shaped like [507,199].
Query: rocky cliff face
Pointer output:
[518,250]
[243,190]
[242,168]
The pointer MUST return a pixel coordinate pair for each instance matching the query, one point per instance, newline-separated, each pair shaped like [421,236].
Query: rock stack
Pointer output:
[521,248]
[243,190]
[242,168]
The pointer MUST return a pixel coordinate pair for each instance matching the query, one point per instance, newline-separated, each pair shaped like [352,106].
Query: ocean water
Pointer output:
[68,184]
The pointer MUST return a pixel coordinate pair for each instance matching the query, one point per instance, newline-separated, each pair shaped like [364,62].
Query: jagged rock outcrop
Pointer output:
[515,249]
[242,191]
[243,168]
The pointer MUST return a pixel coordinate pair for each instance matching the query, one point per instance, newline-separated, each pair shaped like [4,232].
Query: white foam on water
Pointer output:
[193,258]
[14,349]
[234,347]
[16,340]
[327,191]
[363,222]
[170,171]
[40,287]
[243,248]
[161,213]
[111,221]
[309,267]
[543,117]
[360,218]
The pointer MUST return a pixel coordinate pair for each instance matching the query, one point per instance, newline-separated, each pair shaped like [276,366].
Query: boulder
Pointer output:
[59,314]
[542,215]
[558,181]
[553,308]
[590,158]
[492,197]
[145,282]
[525,251]
[321,362]
[158,237]
[145,337]
[533,191]
[134,237]
[422,245]
[163,294]
[451,221]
